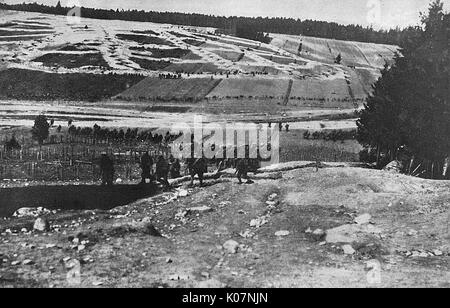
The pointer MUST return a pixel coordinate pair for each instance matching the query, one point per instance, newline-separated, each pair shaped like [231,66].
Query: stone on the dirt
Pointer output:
[412,232]
[272,197]
[363,219]
[318,234]
[282,233]
[27,262]
[348,250]
[41,225]
[200,209]
[149,229]
[437,253]
[258,222]
[211,283]
[349,233]
[205,274]
[176,277]
[31,212]
[394,167]
[231,246]
[182,193]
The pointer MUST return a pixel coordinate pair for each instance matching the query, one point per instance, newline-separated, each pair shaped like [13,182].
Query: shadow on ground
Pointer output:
[82,197]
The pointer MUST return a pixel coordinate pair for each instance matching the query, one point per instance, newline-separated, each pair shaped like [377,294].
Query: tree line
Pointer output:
[258,26]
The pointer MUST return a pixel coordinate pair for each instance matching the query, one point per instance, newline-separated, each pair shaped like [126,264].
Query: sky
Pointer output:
[378,13]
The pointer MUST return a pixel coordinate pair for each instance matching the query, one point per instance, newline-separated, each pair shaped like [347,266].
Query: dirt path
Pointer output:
[273,231]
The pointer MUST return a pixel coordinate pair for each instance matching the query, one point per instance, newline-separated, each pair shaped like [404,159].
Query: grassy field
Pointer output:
[149,64]
[144,39]
[35,85]
[229,55]
[170,89]
[73,60]
[251,87]
[162,53]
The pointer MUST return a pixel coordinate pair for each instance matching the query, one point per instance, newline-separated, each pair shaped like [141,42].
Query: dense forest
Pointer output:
[257,25]
[407,118]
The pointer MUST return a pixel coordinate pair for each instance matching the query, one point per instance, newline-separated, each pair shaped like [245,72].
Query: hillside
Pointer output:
[273,222]
[295,72]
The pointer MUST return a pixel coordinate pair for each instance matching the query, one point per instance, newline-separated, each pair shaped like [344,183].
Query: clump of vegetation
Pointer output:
[144,39]
[333,135]
[152,65]
[35,85]
[41,129]
[73,60]
[193,42]
[77,47]
[163,53]
[145,32]
[12,144]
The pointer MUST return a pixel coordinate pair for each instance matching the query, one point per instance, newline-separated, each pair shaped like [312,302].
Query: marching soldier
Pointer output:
[147,167]
[162,171]
[107,169]
[197,166]
[175,168]
[242,169]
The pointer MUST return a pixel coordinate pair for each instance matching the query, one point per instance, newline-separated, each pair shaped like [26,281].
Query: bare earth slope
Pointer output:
[407,236]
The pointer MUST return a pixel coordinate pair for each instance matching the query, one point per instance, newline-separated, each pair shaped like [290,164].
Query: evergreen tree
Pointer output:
[410,105]
[40,130]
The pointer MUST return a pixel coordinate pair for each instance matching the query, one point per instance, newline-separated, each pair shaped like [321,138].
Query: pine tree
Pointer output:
[410,104]
[40,130]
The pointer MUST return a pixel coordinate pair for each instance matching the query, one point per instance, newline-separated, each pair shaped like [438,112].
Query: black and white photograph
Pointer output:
[222,145]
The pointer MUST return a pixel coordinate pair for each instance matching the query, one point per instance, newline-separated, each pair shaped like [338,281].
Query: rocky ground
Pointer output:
[331,227]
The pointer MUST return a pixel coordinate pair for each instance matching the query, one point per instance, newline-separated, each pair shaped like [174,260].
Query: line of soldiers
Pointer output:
[195,166]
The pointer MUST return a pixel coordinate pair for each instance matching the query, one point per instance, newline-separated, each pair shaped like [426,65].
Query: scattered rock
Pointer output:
[272,197]
[394,167]
[177,277]
[363,219]
[272,203]
[282,233]
[348,250]
[350,233]
[258,222]
[27,262]
[31,212]
[247,234]
[41,225]
[308,231]
[412,232]
[169,260]
[182,193]
[201,209]
[97,283]
[205,274]
[146,226]
[318,234]
[437,253]
[211,283]
[231,246]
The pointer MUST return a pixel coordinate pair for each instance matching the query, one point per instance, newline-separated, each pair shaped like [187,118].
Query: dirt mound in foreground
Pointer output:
[269,234]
